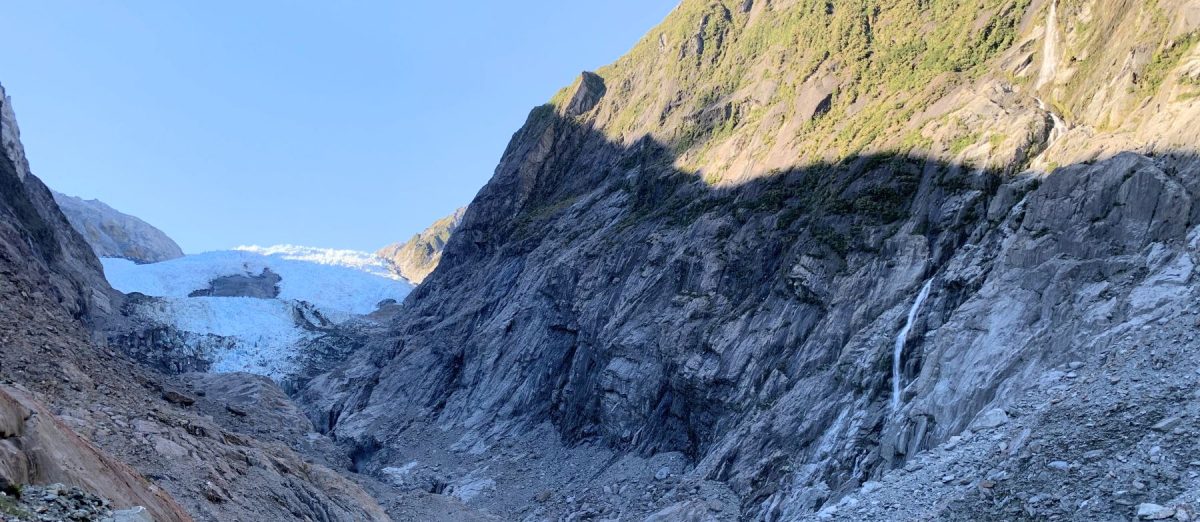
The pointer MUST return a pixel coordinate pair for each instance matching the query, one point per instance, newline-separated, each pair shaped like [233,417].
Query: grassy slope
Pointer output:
[715,81]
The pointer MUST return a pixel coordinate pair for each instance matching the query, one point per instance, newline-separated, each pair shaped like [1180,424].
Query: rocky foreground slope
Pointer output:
[697,276]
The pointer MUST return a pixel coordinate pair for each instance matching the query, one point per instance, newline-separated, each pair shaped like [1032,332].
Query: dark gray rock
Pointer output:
[111,431]
[39,234]
[262,286]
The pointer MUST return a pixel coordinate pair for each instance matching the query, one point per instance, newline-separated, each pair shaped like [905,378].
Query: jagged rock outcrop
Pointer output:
[416,258]
[715,257]
[114,234]
[584,95]
[83,409]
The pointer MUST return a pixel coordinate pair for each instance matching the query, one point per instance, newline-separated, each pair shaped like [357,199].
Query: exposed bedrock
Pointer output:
[712,245]
[261,286]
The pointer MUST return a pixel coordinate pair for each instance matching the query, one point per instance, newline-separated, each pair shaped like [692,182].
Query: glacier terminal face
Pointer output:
[253,308]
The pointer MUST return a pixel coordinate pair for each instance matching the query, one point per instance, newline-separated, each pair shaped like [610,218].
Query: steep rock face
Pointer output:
[101,409]
[114,234]
[716,254]
[31,217]
[416,258]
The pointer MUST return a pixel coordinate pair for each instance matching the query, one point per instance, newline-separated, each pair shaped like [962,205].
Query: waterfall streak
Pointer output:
[1049,48]
[900,340]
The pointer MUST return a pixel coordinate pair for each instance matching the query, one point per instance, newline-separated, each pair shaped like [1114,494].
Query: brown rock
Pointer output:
[236,411]
[38,448]
[175,397]
[212,493]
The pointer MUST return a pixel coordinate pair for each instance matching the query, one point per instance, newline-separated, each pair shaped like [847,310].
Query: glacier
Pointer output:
[318,288]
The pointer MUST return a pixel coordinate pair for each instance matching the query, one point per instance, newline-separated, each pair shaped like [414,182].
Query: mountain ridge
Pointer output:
[112,233]
[416,258]
[783,260]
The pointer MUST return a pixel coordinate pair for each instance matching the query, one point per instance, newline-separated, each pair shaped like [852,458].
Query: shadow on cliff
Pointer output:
[554,161]
[716,300]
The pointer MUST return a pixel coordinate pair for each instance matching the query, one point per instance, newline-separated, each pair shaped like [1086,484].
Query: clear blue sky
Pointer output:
[337,124]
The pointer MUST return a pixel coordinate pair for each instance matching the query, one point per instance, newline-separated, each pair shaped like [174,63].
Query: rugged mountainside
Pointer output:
[113,234]
[714,251]
[416,258]
[73,410]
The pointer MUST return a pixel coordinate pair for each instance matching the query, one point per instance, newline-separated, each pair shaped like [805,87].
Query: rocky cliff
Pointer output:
[727,249]
[416,258]
[41,235]
[114,234]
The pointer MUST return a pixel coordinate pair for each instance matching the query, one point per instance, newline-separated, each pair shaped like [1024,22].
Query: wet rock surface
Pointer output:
[1081,447]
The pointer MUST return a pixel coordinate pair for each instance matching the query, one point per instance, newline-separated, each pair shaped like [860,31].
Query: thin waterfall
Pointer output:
[1058,126]
[900,340]
[1049,48]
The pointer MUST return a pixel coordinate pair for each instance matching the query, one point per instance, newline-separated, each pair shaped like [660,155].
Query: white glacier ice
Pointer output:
[340,284]
[334,281]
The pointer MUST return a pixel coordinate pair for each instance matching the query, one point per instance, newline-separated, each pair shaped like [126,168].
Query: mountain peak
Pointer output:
[585,94]
[10,136]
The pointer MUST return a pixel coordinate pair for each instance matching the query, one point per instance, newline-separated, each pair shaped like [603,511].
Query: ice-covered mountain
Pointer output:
[112,233]
[363,261]
[249,309]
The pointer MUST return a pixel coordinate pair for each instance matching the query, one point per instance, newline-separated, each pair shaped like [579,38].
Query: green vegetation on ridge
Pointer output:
[712,72]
